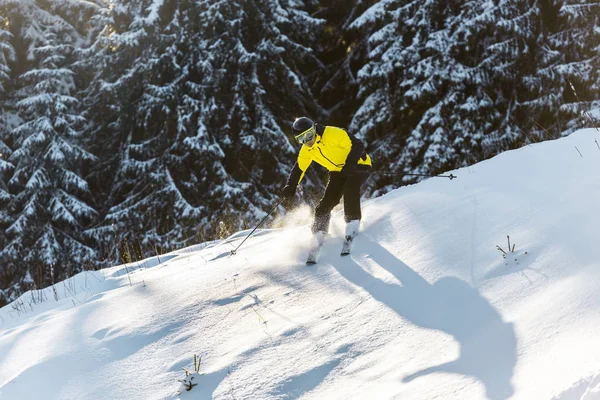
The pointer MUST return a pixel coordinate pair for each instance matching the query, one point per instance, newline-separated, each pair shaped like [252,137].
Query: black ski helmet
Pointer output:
[302,124]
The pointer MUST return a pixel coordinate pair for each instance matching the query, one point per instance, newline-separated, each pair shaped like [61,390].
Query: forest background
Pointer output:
[132,127]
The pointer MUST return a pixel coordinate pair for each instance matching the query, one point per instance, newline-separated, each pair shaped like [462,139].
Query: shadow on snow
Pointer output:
[488,345]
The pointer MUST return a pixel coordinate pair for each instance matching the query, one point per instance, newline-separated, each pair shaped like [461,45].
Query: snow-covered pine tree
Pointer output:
[490,52]
[196,94]
[7,53]
[48,207]
[7,56]
[412,85]
[570,64]
[253,78]
[448,83]
[535,50]
[343,51]
[132,100]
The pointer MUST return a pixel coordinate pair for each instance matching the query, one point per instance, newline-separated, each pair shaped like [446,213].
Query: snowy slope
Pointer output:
[425,308]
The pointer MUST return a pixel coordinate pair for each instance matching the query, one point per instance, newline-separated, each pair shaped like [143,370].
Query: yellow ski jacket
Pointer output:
[333,149]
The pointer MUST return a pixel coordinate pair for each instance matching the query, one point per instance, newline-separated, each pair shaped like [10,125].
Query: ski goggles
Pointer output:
[306,136]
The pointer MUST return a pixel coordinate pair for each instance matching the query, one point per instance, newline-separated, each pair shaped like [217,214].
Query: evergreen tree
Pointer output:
[448,84]
[132,100]
[570,56]
[197,93]
[7,56]
[343,51]
[255,79]
[48,206]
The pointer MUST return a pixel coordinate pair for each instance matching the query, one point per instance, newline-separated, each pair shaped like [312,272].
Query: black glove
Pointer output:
[288,191]
[348,170]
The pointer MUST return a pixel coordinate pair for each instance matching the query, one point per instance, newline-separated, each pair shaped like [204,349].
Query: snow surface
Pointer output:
[425,308]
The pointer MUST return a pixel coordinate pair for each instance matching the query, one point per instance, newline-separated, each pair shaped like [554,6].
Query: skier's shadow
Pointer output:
[488,345]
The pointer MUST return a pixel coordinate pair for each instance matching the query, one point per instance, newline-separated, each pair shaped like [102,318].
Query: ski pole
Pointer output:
[435,176]
[257,226]
[451,176]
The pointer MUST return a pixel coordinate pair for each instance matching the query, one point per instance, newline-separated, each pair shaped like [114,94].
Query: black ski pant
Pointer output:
[338,186]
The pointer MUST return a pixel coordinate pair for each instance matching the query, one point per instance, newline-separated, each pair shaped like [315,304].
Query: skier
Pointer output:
[348,164]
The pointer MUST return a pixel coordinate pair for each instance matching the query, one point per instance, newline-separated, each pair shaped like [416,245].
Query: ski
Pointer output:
[347,246]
